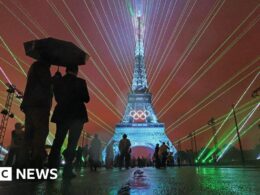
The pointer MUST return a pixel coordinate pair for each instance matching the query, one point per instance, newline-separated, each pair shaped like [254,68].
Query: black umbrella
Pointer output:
[56,52]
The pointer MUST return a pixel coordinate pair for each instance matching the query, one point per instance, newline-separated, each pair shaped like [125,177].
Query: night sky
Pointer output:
[201,55]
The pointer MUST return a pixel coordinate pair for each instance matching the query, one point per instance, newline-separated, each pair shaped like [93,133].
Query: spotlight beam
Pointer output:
[63,20]
[19,20]
[29,17]
[224,138]
[205,128]
[112,43]
[12,54]
[152,29]
[194,40]
[102,96]
[161,36]
[217,59]
[130,47]
[103,26]
[93,85]
[207,145]
[11,65]
[85,36]
[202,68]
[240,129]
[108,127]
[124,44]
[190,114]
[172,40]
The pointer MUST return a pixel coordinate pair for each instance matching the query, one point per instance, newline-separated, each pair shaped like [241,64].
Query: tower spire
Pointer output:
[139,121]
[139,83]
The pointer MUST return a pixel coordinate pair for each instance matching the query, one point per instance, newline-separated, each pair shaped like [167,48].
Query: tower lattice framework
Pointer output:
[139,121]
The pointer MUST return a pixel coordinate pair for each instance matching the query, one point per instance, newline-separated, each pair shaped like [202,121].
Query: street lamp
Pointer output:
[195,144]
[238,136]
[256,93]
[212,123]
[179,152]
[191,144]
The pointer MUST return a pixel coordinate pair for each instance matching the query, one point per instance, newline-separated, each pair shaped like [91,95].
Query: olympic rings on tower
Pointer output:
[139,114]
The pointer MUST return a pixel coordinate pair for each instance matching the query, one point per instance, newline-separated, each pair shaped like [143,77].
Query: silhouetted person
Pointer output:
[70,114]
[133,162]
[170,161]
[85,154]
[156,156]
[139,161]
[16,143]
[179,161]
[94,152]
[79,155]
[125,150]
[36,105]
[110,155]
[163,153]
[117,160]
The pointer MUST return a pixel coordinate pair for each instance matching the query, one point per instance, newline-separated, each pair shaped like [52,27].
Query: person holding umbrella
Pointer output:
[39,91]
[70,114]
[36,106]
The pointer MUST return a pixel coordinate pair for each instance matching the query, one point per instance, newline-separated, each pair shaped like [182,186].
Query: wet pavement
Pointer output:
[184,180]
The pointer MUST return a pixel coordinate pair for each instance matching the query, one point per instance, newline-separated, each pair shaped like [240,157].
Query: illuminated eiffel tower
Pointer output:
[139,121]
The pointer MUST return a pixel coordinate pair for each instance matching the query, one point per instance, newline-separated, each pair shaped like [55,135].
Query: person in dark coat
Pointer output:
[110,155]
[156,157]
[94,153]
[163,153]
[36,105]
[79,155]
[125,152]
[16,144]
[70,114]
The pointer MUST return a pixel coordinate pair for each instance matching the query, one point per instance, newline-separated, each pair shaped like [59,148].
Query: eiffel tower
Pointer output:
[140,122]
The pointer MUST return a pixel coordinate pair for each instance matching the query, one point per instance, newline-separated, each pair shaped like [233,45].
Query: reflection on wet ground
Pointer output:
[184,180]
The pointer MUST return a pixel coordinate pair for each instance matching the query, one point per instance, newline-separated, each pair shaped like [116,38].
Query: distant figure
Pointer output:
[85,154]
[133,162]
[110,155]
[36,105]
[139,161]
[170,160]
[179,161]
[125,150]
[70,114]
[156,157]
[79,155]
[163,153]
[16,144]
[94,153]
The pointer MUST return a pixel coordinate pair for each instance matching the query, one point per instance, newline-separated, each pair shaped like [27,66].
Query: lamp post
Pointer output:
[179,158]
[238,136]
[212,123]
[191,145]
[255,93]
[195,143]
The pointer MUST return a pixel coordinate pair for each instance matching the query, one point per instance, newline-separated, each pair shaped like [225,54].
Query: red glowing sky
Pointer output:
[200,57]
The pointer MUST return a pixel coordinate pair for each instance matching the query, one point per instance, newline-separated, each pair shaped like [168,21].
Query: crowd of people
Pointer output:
[90,155]
[70,114]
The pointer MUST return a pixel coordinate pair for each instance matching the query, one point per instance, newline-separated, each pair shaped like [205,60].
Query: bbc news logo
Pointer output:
[6,174]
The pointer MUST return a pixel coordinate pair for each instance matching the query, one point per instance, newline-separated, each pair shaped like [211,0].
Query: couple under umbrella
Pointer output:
[70,93]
